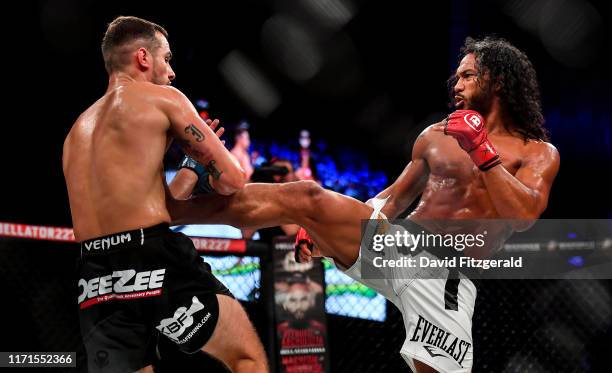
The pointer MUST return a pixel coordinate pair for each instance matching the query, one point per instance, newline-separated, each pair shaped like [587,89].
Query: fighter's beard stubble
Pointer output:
[480,102]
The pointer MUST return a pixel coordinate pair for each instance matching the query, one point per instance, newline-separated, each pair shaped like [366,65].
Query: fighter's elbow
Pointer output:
[527,219]
[239,179]
[183,183]
[523,224]
[231,182]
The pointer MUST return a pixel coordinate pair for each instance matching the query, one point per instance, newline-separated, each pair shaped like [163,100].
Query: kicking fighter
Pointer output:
[488,160]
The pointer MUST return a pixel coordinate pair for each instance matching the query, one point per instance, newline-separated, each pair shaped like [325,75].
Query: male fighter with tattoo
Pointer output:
[139,281]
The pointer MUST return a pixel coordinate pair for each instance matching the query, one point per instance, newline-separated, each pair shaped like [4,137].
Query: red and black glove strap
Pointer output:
[490,163]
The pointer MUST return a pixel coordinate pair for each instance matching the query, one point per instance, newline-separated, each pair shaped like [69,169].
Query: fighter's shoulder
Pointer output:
[541,148]
[430,133]
[542,154]
[154,92]
[430,129]
[165,92]
[424,140]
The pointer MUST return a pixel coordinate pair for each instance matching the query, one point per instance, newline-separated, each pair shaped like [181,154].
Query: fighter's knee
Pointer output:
[313,192]
[249,364]
[307,188]
[249,356]
[301,194]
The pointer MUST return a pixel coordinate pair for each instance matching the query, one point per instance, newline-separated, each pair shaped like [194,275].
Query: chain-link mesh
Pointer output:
[241,275]
[39,293]
[518,326]
[347,297]
[542,326]
[359,345]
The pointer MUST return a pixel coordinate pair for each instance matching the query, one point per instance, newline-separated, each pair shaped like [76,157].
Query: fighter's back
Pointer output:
[112,162]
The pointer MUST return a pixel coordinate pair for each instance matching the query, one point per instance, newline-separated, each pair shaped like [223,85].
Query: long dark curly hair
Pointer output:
[511,70]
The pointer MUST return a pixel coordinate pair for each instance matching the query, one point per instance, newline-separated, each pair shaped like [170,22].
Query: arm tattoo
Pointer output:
[214,171]
[195,132]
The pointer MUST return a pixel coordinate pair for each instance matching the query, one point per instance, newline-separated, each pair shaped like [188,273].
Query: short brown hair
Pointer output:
[122,31]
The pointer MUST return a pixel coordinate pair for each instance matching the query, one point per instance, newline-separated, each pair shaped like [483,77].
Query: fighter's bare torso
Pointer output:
[455,187]
[113,161]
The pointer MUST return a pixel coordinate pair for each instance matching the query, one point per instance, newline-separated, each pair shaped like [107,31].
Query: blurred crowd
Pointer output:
[341,169]
[282,160]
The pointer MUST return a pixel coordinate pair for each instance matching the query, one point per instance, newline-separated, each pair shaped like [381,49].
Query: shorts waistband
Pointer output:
[122,240]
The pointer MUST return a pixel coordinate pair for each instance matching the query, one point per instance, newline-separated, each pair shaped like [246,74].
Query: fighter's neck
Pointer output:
[498,123]
[121,78]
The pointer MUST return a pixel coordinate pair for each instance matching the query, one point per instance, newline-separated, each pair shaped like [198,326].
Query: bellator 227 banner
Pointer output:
[301,328]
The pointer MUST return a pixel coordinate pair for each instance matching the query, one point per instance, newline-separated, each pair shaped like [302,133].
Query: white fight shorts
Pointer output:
[437,310]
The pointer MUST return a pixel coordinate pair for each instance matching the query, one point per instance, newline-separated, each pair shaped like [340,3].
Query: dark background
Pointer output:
[365,75]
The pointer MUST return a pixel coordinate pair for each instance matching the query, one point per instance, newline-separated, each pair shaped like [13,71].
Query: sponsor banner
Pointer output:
[224,245]
[301,327]
[46,233]
[36,232]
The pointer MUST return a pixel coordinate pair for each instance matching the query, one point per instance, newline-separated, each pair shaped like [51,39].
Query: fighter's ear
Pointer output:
[499,84]
[143,57]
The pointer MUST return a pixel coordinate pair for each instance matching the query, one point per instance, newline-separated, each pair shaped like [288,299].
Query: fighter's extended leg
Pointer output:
[255,206]
[332,220]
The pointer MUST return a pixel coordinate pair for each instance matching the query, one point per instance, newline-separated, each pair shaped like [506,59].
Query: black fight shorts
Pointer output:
[139,285]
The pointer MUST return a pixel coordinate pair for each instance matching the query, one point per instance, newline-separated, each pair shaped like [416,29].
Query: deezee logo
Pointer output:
[121,285]
[473,121]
